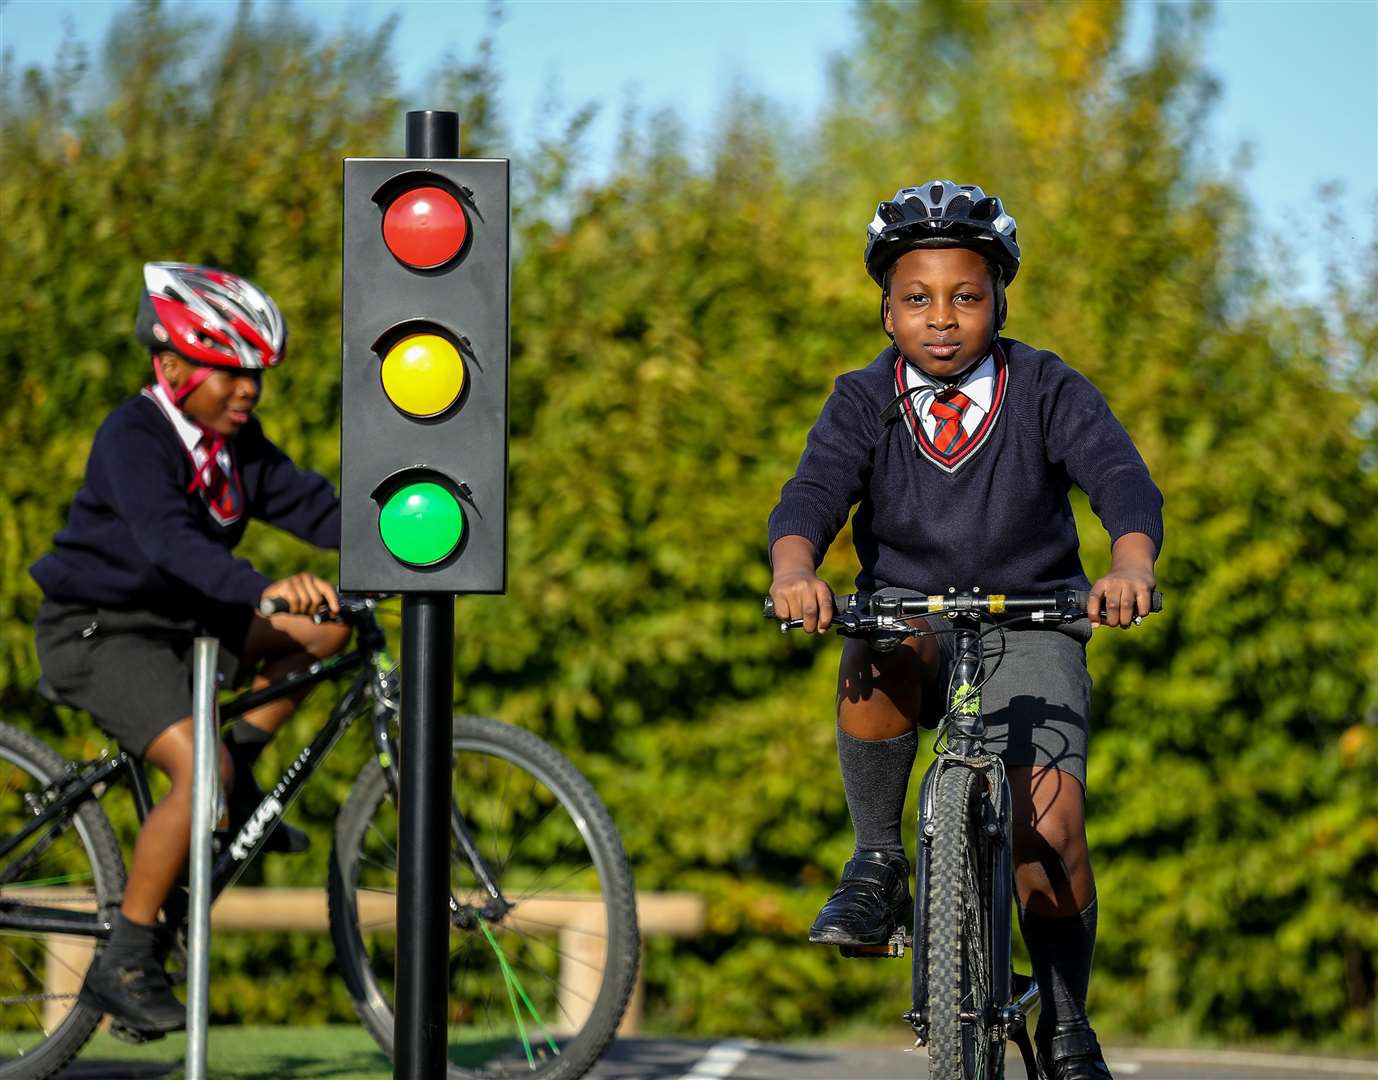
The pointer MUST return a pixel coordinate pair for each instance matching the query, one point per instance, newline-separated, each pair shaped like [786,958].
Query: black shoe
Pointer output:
[134,990]
[1072,1054]
[242,802]
[865,908]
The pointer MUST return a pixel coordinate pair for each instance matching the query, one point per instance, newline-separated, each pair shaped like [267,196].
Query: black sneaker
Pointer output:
[1072,1053]
[133,988]
[242,802]
[866,907]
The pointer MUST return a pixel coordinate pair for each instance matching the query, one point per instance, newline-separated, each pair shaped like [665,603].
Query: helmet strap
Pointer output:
[200,373]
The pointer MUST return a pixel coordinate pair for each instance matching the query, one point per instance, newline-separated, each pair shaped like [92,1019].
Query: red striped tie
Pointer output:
[221,492]
[947,409]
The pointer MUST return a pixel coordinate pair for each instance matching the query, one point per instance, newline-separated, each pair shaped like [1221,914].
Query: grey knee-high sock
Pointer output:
[875,775]
[1061,950]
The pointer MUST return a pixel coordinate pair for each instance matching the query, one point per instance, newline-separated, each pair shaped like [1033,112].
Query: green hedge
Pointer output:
[676,327]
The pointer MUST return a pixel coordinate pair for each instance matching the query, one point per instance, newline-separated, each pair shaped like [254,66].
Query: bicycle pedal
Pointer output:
[891,949]
[132,1036]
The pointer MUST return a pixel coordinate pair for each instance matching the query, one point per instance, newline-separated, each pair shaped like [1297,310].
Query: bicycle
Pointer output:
[531,841]
[968,1001]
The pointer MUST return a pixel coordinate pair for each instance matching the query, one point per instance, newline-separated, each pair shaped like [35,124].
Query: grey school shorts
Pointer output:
[1037,701]
[131,670]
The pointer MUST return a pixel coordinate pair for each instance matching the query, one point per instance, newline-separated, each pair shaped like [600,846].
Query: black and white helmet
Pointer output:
[941,214]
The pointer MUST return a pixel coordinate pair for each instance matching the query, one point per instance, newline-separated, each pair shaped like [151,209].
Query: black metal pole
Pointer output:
[423,827]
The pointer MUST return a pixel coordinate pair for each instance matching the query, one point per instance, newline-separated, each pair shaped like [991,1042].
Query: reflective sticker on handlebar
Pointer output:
[997,603]
[935,603]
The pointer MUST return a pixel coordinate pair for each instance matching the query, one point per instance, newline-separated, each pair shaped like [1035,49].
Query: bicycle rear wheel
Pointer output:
[963,1040]
[538,980]
[73,864]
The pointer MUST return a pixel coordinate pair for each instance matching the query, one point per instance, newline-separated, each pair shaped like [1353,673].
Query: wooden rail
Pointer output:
[571,915]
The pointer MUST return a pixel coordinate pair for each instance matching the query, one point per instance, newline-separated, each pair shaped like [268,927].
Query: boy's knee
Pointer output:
[330,641]
[1060,838]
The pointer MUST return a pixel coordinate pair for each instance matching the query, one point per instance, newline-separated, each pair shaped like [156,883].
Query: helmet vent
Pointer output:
[983,210]
[890,213]
[958,206]
[935,193]
[917,207]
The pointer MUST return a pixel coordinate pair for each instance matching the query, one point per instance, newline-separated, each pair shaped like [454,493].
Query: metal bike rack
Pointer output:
[205,803]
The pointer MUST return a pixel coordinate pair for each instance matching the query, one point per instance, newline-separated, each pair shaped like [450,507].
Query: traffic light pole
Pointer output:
[423,842]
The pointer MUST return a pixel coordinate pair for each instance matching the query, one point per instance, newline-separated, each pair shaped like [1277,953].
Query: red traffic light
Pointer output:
[425,227]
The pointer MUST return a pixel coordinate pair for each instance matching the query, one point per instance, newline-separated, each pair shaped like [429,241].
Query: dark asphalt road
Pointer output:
[651,1059]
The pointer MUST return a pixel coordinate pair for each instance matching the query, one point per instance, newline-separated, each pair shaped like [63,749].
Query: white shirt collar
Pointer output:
[979,386]
[188,431]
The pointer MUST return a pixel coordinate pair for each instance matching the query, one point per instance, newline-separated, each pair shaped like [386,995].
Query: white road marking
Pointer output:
[721,1061]
[1258,1060]
[1128,1068]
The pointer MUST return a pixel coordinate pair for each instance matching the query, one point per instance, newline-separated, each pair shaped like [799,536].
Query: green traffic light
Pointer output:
[421,523]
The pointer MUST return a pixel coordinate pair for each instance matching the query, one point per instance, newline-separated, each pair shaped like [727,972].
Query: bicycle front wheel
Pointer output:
[72,864]
[963,1040]
[539,975]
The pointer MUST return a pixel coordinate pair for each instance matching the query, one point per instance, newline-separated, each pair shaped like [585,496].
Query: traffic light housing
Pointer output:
[424,328]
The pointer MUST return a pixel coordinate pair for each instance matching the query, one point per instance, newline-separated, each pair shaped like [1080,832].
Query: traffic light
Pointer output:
[423,431]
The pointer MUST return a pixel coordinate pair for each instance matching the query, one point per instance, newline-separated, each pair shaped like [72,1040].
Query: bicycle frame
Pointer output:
[87,779]
[374,681]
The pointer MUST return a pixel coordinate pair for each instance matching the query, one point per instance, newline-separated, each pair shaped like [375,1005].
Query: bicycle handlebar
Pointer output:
[352,607]
[858,613]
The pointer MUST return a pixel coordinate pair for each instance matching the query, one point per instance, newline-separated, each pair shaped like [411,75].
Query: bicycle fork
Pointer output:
[1011,1018]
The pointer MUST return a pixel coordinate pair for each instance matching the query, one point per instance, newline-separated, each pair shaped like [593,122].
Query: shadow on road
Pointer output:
[282,1067]
[118,1070]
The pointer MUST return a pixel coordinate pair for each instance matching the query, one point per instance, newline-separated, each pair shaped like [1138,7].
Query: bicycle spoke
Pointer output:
[566,927]
[528,893]
[28,1004]
[533,940]
[514,982]
[390,849]
[521,837]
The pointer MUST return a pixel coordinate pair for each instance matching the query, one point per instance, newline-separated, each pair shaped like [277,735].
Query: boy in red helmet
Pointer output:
[144,565]
[960,446]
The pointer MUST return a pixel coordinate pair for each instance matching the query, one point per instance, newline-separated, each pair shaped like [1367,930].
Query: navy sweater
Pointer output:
[135,538]
[1001,522]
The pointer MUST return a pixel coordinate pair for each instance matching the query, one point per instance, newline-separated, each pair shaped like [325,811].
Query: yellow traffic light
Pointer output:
[423,375]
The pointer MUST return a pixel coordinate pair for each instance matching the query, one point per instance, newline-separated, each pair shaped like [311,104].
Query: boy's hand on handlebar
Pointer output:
[1126,592]
[803,595]
[1126,595]
[302,594]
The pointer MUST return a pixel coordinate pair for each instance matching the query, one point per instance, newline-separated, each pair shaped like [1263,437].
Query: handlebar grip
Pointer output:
[272,605]
[1083,597]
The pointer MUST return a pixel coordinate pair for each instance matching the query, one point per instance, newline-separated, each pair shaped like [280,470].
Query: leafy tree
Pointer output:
[676,328]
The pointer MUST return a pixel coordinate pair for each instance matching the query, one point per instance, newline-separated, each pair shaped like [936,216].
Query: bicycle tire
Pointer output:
[963,1041]
[35,1044]
[571,842]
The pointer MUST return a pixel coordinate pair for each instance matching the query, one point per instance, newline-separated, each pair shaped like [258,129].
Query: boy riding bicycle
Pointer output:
[960,446]
[144,565]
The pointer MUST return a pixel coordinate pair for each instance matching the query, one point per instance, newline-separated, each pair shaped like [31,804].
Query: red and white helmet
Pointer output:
[209,317]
